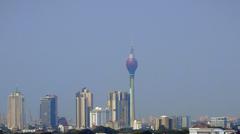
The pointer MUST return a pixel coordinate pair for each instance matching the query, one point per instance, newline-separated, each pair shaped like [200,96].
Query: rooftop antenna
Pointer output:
[17,88]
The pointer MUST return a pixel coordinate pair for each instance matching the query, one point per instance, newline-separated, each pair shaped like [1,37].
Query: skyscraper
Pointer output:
[48,111]
[183,122]
[186,121]
[16,115]
[219,122]
[99,117]
[174,123]
[84,104]
[165,122]
[132,66]
[119,105]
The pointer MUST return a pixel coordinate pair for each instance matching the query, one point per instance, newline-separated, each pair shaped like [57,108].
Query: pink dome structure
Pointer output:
[131,63]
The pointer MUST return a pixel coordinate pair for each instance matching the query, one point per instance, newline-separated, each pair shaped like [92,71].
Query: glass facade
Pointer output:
[48,111]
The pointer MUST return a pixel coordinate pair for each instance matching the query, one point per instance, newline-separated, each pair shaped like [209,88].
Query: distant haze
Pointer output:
[188,53]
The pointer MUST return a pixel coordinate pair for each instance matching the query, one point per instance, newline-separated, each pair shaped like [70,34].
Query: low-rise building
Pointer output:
[63,128]
[210,131]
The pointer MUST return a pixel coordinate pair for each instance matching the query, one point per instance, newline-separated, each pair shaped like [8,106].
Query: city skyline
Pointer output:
[188,51]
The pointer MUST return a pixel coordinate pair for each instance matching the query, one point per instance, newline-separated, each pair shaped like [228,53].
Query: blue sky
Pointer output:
[188,53]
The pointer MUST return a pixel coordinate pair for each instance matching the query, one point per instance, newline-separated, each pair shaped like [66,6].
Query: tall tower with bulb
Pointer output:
[132,66]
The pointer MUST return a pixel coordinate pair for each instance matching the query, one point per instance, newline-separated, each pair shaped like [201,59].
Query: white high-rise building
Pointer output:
[99,117]
[218,122]
[137,124]
[186,121]
[183,122]
[16,115]
[84,104]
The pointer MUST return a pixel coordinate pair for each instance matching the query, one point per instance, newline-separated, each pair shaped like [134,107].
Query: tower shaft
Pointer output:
[132,102]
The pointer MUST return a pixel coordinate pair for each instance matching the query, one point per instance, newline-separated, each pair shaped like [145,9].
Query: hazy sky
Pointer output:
[188,53]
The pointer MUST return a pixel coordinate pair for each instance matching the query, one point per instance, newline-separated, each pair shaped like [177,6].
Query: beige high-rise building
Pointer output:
[113,105]
[165,121]
[119,105]
[84,104]
[16,115]
[156,123]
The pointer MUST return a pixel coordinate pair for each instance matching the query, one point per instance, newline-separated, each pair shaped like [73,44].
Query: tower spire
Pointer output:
[132,46]
[132,50]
